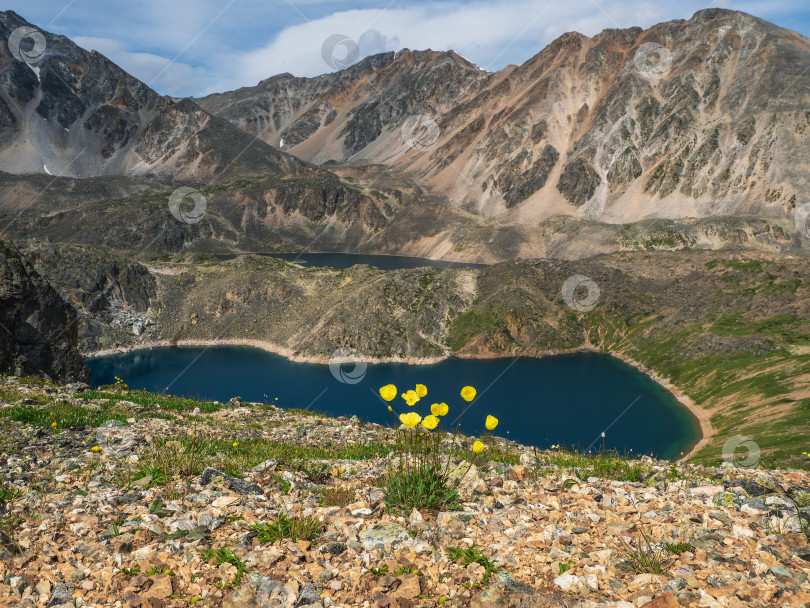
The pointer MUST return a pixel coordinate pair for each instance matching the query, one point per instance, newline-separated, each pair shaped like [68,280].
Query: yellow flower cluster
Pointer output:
[437,410]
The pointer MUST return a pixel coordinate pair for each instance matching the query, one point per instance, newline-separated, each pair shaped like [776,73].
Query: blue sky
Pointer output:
[195,47]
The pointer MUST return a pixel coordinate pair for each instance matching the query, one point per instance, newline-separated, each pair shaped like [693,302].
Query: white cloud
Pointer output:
[490,34]
[225,44]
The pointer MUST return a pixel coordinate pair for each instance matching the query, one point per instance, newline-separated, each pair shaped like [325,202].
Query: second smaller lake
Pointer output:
[347,260]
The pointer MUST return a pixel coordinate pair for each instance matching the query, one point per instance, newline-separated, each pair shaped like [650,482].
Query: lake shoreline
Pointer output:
[707,431]
[699,414]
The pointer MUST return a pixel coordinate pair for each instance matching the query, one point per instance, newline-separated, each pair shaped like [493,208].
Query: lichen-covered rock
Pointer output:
[386,536]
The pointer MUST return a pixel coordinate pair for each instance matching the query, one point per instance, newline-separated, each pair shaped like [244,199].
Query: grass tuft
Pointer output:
[423,487]
[297,528]
[226,556]
[604,464]
[338,497]
[643,556]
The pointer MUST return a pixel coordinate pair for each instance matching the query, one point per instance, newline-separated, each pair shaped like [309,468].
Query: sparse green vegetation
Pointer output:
[678,548]
[603,464]
[154,570]
[9,520]
[423,488]
[338,497]
[150,401]
[644,556]
[303,412]
[296,528]
[184,456]
[131,571]
[226,556]
[473,555]
[63,414]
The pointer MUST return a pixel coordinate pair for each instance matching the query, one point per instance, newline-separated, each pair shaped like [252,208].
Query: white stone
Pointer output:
[571,583]
[739,531]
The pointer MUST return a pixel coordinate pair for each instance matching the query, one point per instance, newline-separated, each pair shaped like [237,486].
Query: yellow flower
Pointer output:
[478,447]
[491,423]
[388,392]
[439,409]
[410,397]
[410,420]
[53,424]
[235,443]
[390,409]
[430,422]
[96,448]
[421,390]
[468,393]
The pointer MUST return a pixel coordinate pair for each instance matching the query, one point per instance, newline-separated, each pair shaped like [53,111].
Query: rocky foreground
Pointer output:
[131,512]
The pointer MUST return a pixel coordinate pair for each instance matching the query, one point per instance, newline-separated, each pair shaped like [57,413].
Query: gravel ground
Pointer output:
[87,530]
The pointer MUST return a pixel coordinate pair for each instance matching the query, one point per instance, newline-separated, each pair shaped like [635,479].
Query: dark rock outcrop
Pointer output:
[38,329]
[578,181]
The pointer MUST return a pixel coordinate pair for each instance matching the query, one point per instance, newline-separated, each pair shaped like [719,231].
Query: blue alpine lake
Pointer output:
[347,260]
[568,400]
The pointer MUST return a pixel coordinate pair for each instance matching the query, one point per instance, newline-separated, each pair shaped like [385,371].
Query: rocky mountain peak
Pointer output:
[678,120]
[71,112]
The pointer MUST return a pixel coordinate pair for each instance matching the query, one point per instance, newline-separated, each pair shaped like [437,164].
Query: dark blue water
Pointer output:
[347,260]
[567,399]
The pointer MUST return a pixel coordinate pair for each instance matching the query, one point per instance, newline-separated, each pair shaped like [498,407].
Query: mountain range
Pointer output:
[690,134]
[686,119]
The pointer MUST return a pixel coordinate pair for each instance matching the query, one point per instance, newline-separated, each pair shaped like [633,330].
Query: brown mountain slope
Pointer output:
[715,123]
